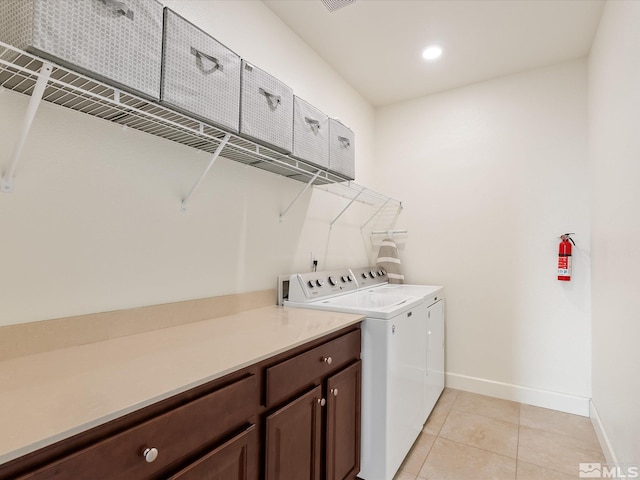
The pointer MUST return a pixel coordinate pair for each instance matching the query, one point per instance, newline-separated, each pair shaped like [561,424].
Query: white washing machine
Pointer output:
[394,359]
[369,278]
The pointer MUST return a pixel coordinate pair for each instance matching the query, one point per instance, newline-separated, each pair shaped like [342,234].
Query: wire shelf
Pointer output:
[19,72]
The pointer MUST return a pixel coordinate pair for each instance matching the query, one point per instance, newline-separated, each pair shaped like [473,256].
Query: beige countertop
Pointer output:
[53,395]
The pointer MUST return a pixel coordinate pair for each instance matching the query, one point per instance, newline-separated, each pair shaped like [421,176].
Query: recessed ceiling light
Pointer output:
[432,52]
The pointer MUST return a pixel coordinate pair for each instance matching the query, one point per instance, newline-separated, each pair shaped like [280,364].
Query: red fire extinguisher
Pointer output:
[564,257]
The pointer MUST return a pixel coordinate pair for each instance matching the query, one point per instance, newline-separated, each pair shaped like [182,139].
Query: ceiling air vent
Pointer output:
[333,5]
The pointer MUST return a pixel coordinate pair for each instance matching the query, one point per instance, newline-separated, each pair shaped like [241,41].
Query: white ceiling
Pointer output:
[376,45]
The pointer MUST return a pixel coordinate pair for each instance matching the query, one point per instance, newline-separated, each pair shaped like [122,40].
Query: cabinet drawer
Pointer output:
[234,460]
[301,371]
[174,434]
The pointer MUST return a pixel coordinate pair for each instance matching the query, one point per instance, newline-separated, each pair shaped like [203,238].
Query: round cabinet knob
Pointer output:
[311,284]
[319,282]
[150,454]
[327,360]
[322,402]
[332,281]
[334,392]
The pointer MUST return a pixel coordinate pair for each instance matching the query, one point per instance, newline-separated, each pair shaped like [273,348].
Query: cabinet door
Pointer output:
[435,355]
[234,460]
[293,439]
[343,423]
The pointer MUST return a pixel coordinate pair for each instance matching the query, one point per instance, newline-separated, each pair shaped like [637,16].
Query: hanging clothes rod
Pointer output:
[388,232]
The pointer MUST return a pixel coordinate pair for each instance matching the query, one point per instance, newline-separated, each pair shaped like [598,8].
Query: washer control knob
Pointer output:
[372,274]
[311,284]
[150,454]
[364,275]
[350,278]
[332,281]
[343,278]
[319,282]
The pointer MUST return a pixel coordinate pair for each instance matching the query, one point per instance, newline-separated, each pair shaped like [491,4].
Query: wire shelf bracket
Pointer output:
[306,187]
[214,157]
[6,185]
[346,207]
[375,213]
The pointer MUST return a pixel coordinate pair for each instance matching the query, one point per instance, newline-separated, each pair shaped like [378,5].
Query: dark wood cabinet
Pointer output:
[317,434]
[306,369]
[233,460]
[293,436]
[292,416]
[343,423]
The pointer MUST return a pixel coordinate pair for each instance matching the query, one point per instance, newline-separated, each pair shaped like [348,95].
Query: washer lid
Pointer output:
[367,303]
[409,290]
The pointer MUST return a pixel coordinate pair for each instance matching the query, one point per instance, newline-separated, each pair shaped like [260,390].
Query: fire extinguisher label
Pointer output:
[564,266]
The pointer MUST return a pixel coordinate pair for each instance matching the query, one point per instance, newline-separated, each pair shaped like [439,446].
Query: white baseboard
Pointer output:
[609,454]
[517,393]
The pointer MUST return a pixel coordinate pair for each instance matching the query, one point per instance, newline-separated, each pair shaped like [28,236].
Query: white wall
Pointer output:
[491,175]
[95,223]
[614,161]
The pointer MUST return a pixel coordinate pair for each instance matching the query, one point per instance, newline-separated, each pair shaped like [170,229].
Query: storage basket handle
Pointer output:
[346,143]
[119,7]
[273,99]
[313,123]
[200,55]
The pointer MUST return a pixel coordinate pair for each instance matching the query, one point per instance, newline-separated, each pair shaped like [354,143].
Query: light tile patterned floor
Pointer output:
[474,437]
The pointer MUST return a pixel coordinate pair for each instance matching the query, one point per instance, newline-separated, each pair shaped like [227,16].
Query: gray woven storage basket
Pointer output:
[199,75]
[266,109]
[341,150]
[310,134]
[119,42]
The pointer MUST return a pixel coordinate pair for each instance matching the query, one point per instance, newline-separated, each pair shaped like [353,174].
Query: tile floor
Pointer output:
[473,437]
